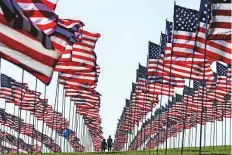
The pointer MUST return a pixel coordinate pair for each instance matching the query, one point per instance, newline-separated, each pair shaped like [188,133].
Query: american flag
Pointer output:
[86,99]
[39,14]
[3,115]
[223,85]
[167,45]
[67,67]
[154,63]
[79,80]
[65,36]
[184,70]
[161,89]
[11,90]
[220,24]
[34,50]
[68,29]
[50,3]
[83,51]
[142,76]
[184,36]
[216,50]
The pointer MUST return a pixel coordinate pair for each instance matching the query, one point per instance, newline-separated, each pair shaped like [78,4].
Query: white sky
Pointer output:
[126,26]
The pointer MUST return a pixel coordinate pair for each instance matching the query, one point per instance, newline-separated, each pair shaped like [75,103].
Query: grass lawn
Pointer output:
[187,151]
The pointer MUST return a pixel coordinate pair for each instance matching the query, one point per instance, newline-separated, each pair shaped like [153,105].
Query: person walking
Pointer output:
[103,145]
[109,143]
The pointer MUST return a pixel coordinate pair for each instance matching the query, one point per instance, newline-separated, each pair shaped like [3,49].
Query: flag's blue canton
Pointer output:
[196,85]
[227,97]
[178,98]
[5,81]
[205,11]
[173,100]
[185,19]
[156,79]
[163,42]
[164,109]
[221,69]
[169,31]
[215,77]
[170,103]
[15,17]
[133,87]
[203,83]
[143,72]
[154,51]
[188,91]
[3,115]
[169,123]
[127,103]
[204,109]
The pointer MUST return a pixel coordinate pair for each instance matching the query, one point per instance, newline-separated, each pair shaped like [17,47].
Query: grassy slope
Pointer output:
[187,151]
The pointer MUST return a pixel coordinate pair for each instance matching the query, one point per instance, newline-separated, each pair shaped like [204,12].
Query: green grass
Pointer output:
[219,150]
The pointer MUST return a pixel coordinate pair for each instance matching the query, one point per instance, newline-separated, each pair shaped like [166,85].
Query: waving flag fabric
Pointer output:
[220,24]
[83,51]
[50,3]
[184,37]
[39,14]
[34,50]
[215,50]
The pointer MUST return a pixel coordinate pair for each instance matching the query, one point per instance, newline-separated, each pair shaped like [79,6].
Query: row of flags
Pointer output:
[17,124]
[33,37]
[12,140]
[192,44]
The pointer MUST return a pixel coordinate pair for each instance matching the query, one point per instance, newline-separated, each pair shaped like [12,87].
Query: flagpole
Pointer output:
[76,123]
[63,113]
[19,110]
[2,126]
[206,36]
[192,137]
[226,104]
[69,119]
[150,131]
[73,121]
[145,114]
[157,133]
[211,124]
[169,93]
[215,119]
[33,123]
[161,81]
[130,112]
[42,142]
[55,106]
[230,126]
[204,134]
[216,128]
[36,142]
[83,131]
[137,126]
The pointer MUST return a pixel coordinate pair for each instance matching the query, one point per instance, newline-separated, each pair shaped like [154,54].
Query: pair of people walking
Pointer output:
[107,145]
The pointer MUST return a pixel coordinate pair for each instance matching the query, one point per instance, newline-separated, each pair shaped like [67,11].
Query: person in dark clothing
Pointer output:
[103,145]
[109,143]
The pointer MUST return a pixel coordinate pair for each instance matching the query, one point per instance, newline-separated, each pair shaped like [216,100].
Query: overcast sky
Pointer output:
[126,26]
